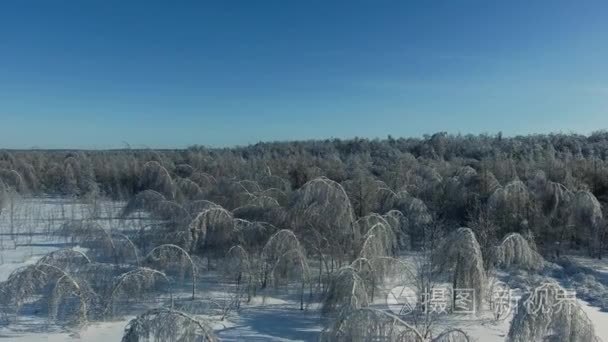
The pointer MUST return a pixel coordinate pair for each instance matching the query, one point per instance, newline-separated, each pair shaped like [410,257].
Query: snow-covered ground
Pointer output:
[25,236]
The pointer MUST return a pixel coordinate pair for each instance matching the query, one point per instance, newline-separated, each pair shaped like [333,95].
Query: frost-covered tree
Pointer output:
[146,200]
[103,242]
[362,190]
[171,256]
[274,182]
[551,196]
[169,220]
[546,314]
[205,181]
[64,289]
[588,220]
[263,202]
[155,177]
[552,212]
[252,235]
[486,231]
[509,206]
[29,175]
[323,204]
[184,170]
[378,241]
[240,267]
[174,215]
[284,258]
[135,284]
[187,190]
[171,214]
[249,186]
[28,283]
[65,259]
[101,278]
[516,251]
[90,234]
[69,182]
[418,215]
[400,225]
[386,199]
[484,184]
[212,231]
[261,208]
[279,195]
[13,180]
[376,269]
[366,222]
[196,207]
[347,291]
[167,325]
[3,196]
[461,256]
[459,193]
[22,285]
[231,193]
[423,181]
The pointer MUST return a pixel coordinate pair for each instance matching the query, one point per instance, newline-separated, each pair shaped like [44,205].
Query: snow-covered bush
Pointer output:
[367,324]
[167,325]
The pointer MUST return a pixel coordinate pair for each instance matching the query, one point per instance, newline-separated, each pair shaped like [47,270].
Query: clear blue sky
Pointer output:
[93,74]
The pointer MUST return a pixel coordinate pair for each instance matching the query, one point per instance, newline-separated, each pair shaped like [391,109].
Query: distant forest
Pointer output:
[549,188]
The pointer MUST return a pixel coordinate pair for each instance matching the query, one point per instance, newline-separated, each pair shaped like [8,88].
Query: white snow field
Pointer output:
[26,234]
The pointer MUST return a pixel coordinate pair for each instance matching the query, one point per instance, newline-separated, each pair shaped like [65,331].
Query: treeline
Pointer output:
[553,188]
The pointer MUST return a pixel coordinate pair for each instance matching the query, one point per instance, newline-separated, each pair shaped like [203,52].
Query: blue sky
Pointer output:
[97,74]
